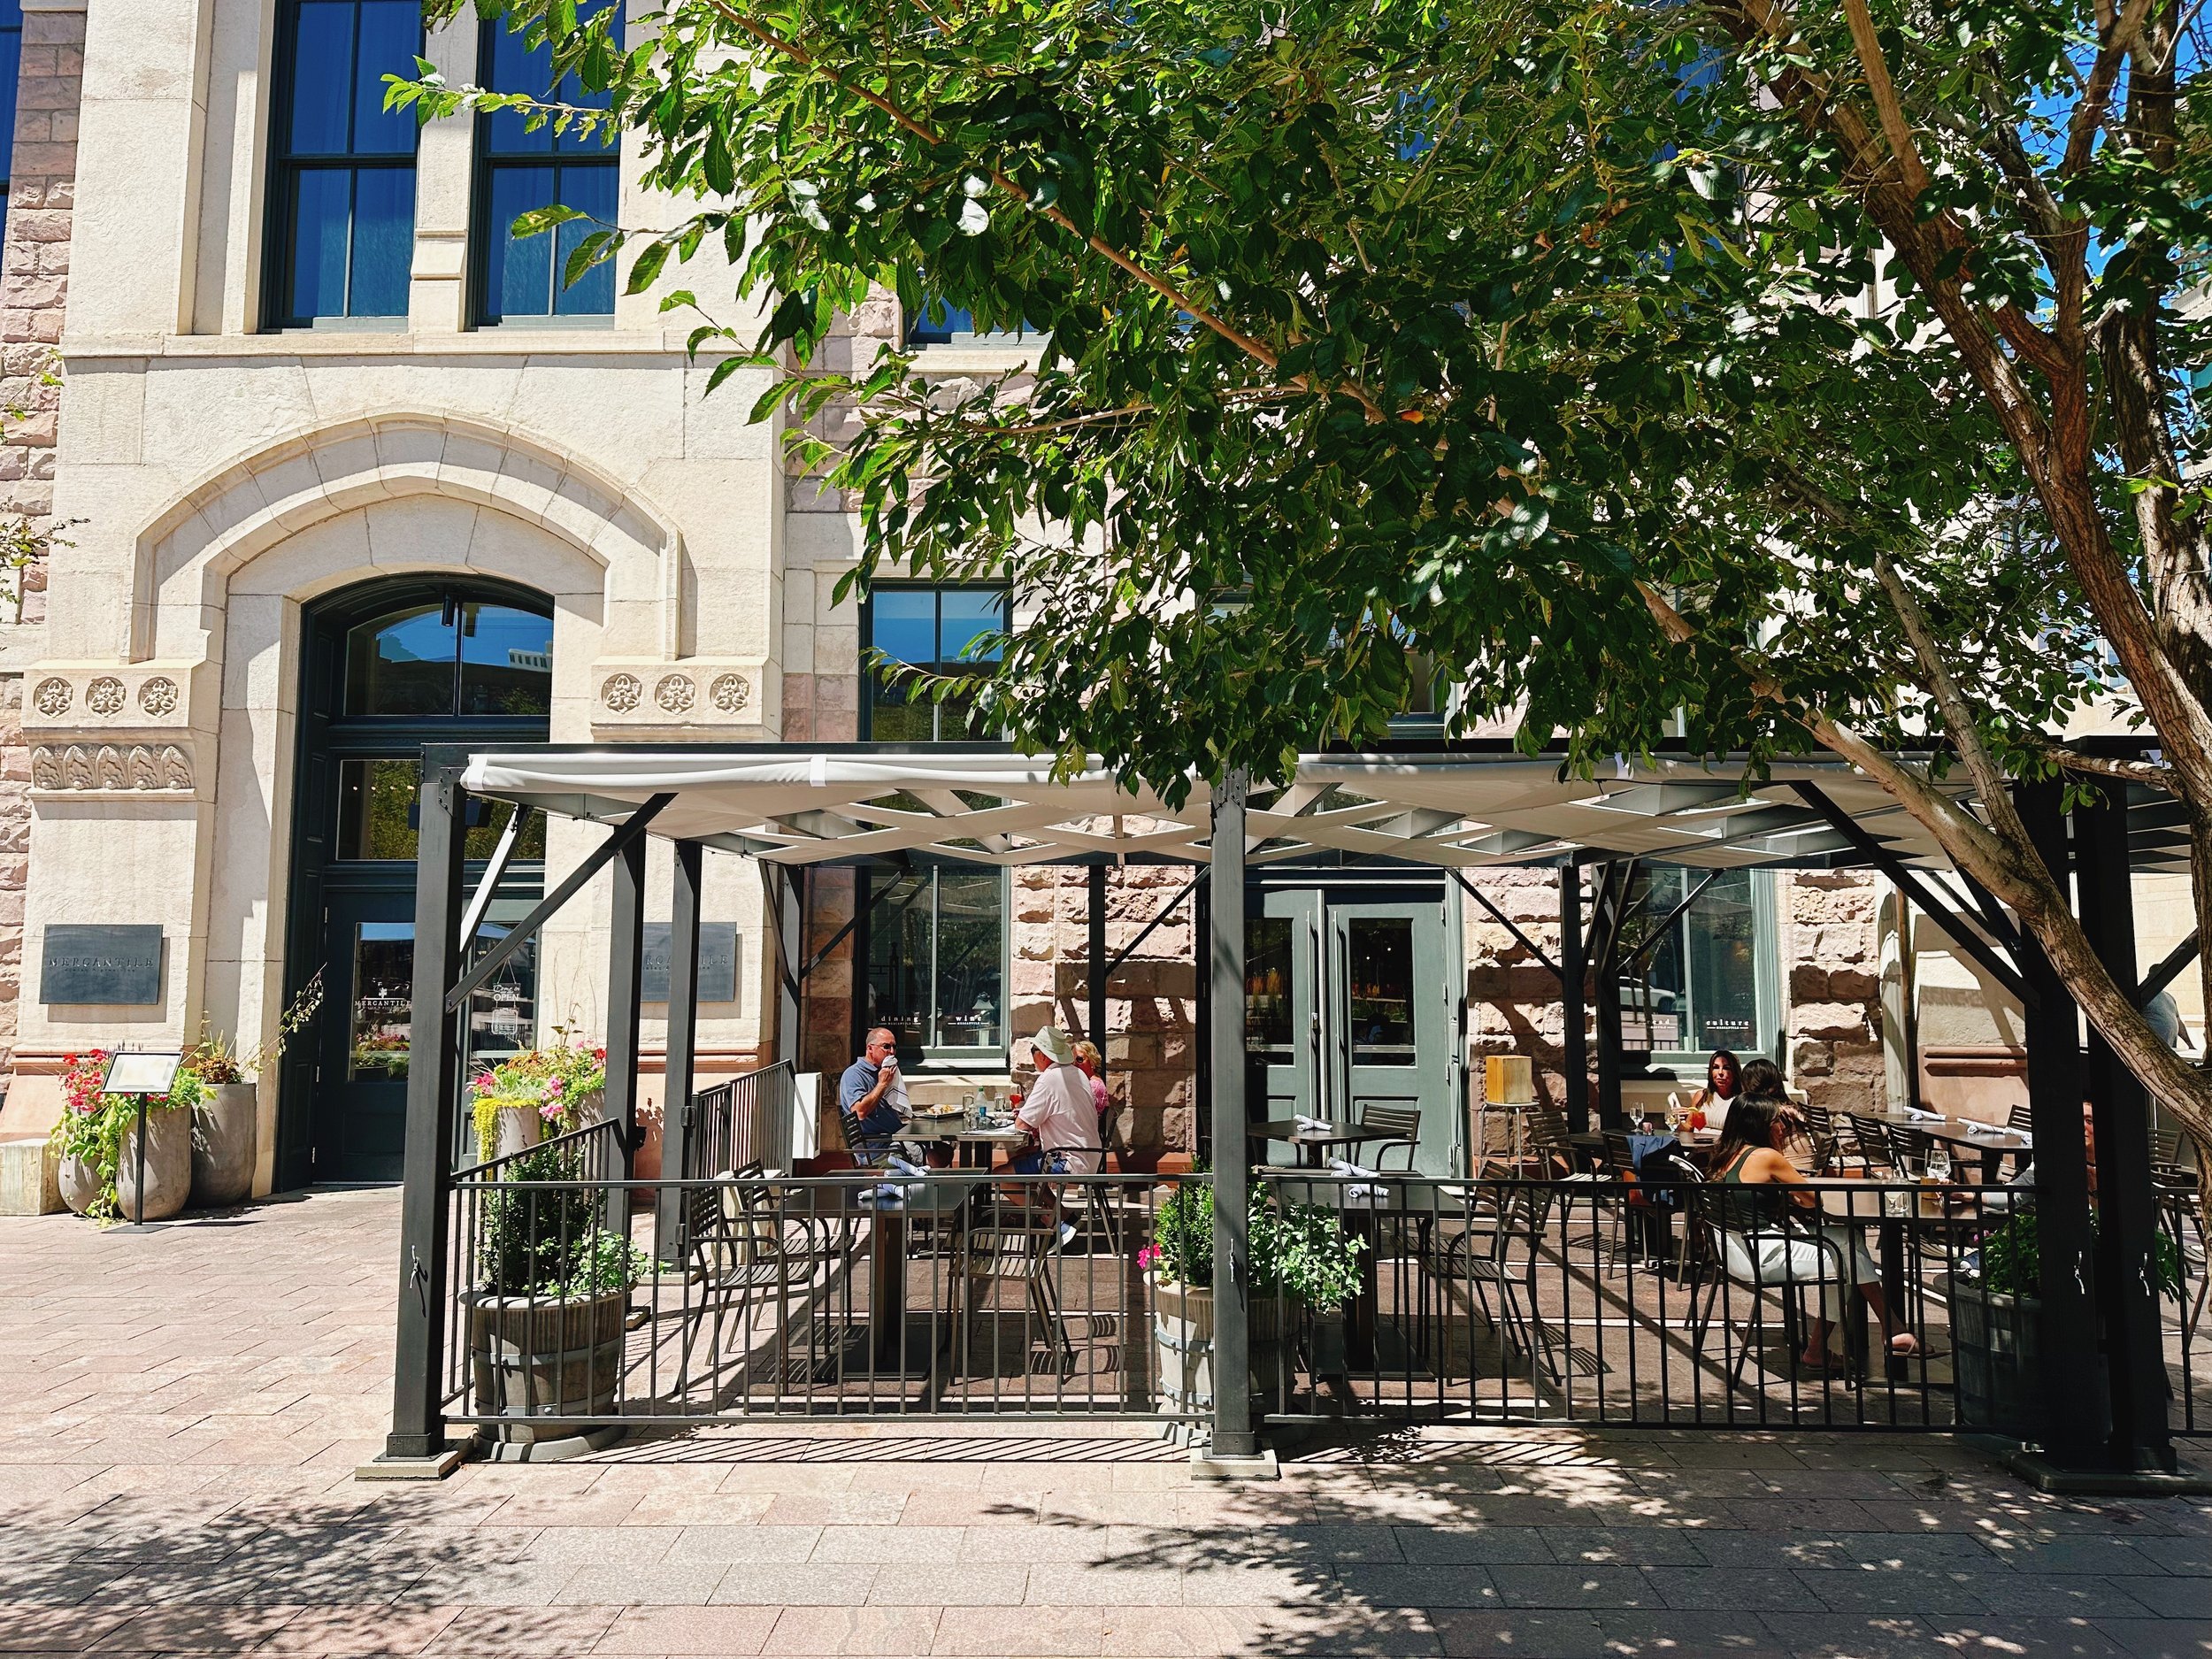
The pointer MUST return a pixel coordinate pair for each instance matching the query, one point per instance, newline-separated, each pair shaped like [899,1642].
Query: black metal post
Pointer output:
[677,1129]
[1233,1435]
[141,1220]
[1574,1012]
[625,974]
[1095,1015]
[2127,1205]
[786,935]
[433,1080]
[2075,1425]
[1613,899]
[1202,1018]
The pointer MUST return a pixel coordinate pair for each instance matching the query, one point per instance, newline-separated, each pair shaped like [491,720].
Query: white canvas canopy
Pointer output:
[1453,808]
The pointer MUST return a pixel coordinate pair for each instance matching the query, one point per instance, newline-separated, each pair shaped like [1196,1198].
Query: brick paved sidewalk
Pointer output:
[188,1404]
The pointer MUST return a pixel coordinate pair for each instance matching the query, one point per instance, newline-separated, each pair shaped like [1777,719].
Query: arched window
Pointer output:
[342,206]
[451,656]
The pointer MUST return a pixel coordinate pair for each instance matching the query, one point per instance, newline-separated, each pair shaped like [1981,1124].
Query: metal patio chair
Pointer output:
[1402,1124]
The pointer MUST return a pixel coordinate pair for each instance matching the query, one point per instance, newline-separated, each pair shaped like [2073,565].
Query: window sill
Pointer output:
[979,357]
[483,342]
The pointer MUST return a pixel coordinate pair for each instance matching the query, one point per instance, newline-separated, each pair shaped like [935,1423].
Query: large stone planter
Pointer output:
[515,1129]
[168,1165]
[1183,1347]
[532,1357]
[79,1184]
[1996,1350]
[226,1135]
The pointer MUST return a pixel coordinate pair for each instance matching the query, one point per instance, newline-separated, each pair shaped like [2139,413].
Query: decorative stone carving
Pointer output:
[146,768]
[158,696]
[621,692]
[52,697]
[730,693]
[675,693]
[104,696]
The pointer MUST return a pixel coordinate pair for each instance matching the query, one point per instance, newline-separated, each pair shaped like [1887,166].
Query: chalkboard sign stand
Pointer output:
[142,1075]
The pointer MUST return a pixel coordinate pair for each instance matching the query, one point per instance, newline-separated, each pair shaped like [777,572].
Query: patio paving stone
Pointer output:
[176,1478]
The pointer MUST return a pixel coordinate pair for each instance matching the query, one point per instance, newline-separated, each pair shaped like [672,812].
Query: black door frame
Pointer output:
[325,736]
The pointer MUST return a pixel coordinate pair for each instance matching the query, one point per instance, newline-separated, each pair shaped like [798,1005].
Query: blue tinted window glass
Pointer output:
[383,241]
[506,661]
[511,65]
[518,280]
[905,623]
[321,221]
[10,66]
[322,69]
[390,40]
[938,323]
[589,187]
[969,615]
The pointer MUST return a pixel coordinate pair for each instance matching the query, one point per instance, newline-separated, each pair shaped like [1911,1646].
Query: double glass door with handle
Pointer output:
[1350,1003]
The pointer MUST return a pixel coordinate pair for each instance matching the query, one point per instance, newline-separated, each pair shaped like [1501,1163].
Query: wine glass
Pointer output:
[1939,1163]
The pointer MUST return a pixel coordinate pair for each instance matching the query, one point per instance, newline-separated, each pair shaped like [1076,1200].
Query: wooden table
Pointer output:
[1991,1146]
[1308,1143]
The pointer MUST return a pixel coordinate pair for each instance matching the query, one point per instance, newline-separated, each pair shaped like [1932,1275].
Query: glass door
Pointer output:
[1282,1008]
[1391,1021]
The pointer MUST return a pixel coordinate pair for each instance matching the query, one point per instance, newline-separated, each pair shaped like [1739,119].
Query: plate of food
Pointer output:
[937,1112]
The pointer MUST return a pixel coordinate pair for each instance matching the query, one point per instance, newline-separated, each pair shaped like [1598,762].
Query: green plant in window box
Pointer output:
[550,1091]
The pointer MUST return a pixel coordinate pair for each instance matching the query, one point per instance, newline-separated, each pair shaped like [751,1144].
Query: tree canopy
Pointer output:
[1710,374]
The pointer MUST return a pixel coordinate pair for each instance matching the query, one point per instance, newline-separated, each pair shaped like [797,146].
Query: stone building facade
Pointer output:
[242,490]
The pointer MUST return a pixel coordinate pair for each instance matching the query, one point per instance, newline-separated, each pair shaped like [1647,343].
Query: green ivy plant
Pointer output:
[2012,1258]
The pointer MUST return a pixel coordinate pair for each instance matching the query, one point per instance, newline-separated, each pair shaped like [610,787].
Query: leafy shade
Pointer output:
[1710,375]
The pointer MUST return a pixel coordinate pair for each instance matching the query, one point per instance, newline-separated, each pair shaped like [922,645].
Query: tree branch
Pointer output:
[2154,774]
[2104,74]
[1875,68]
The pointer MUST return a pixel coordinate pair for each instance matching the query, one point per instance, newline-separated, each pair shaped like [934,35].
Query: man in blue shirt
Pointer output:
[870,1119]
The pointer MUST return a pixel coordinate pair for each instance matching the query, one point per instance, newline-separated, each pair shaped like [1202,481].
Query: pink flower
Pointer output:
[483,1083]
[1147,1255]
[550,1110]
[553,1085]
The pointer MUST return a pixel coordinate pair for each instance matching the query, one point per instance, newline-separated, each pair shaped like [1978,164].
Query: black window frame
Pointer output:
[869,672]
[280,245]
[488,164]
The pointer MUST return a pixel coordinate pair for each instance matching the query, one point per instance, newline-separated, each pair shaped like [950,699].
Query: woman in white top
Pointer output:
[1059,1112]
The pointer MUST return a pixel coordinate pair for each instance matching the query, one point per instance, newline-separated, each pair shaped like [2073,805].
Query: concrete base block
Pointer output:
[436,1468]
[30,1178]
[2184,1482]
[549,1451]
[1205,1466]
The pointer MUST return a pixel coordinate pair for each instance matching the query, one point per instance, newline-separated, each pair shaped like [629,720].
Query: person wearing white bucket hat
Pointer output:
[1058,1111]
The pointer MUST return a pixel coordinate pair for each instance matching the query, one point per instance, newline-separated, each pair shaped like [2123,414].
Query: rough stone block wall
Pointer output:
[1151,1008]
[1513,999]
[1825,941]
[1833,973]
[33,292]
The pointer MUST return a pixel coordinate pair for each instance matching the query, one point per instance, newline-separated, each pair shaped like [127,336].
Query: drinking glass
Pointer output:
[1939,1164]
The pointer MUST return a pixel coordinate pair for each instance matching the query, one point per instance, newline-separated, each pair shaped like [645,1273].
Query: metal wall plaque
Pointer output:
[118,966]
[718,963]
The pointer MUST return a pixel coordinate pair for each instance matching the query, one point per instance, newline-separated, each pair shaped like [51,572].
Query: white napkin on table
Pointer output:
[1360,1185]
[1305,1125]
[1920,1117]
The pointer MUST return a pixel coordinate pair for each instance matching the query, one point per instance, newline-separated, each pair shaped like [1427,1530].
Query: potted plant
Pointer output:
[1301,1256]
[545,1315]
[1996,1328]
[226,1122]
[538,1092]
[96,1143]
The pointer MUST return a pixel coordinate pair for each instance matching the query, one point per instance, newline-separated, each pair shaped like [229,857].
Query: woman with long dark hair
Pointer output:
[1723,1075]
[1766,1190]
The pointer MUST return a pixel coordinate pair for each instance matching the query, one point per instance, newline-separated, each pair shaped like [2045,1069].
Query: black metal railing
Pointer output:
[946,1295]
[747,1120]
[1602,1301]
[960,1293]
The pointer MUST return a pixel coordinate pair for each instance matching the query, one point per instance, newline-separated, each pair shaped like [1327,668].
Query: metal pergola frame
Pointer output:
[830,806]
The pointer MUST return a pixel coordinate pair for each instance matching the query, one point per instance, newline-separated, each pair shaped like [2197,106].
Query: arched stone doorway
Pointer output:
[387,667]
